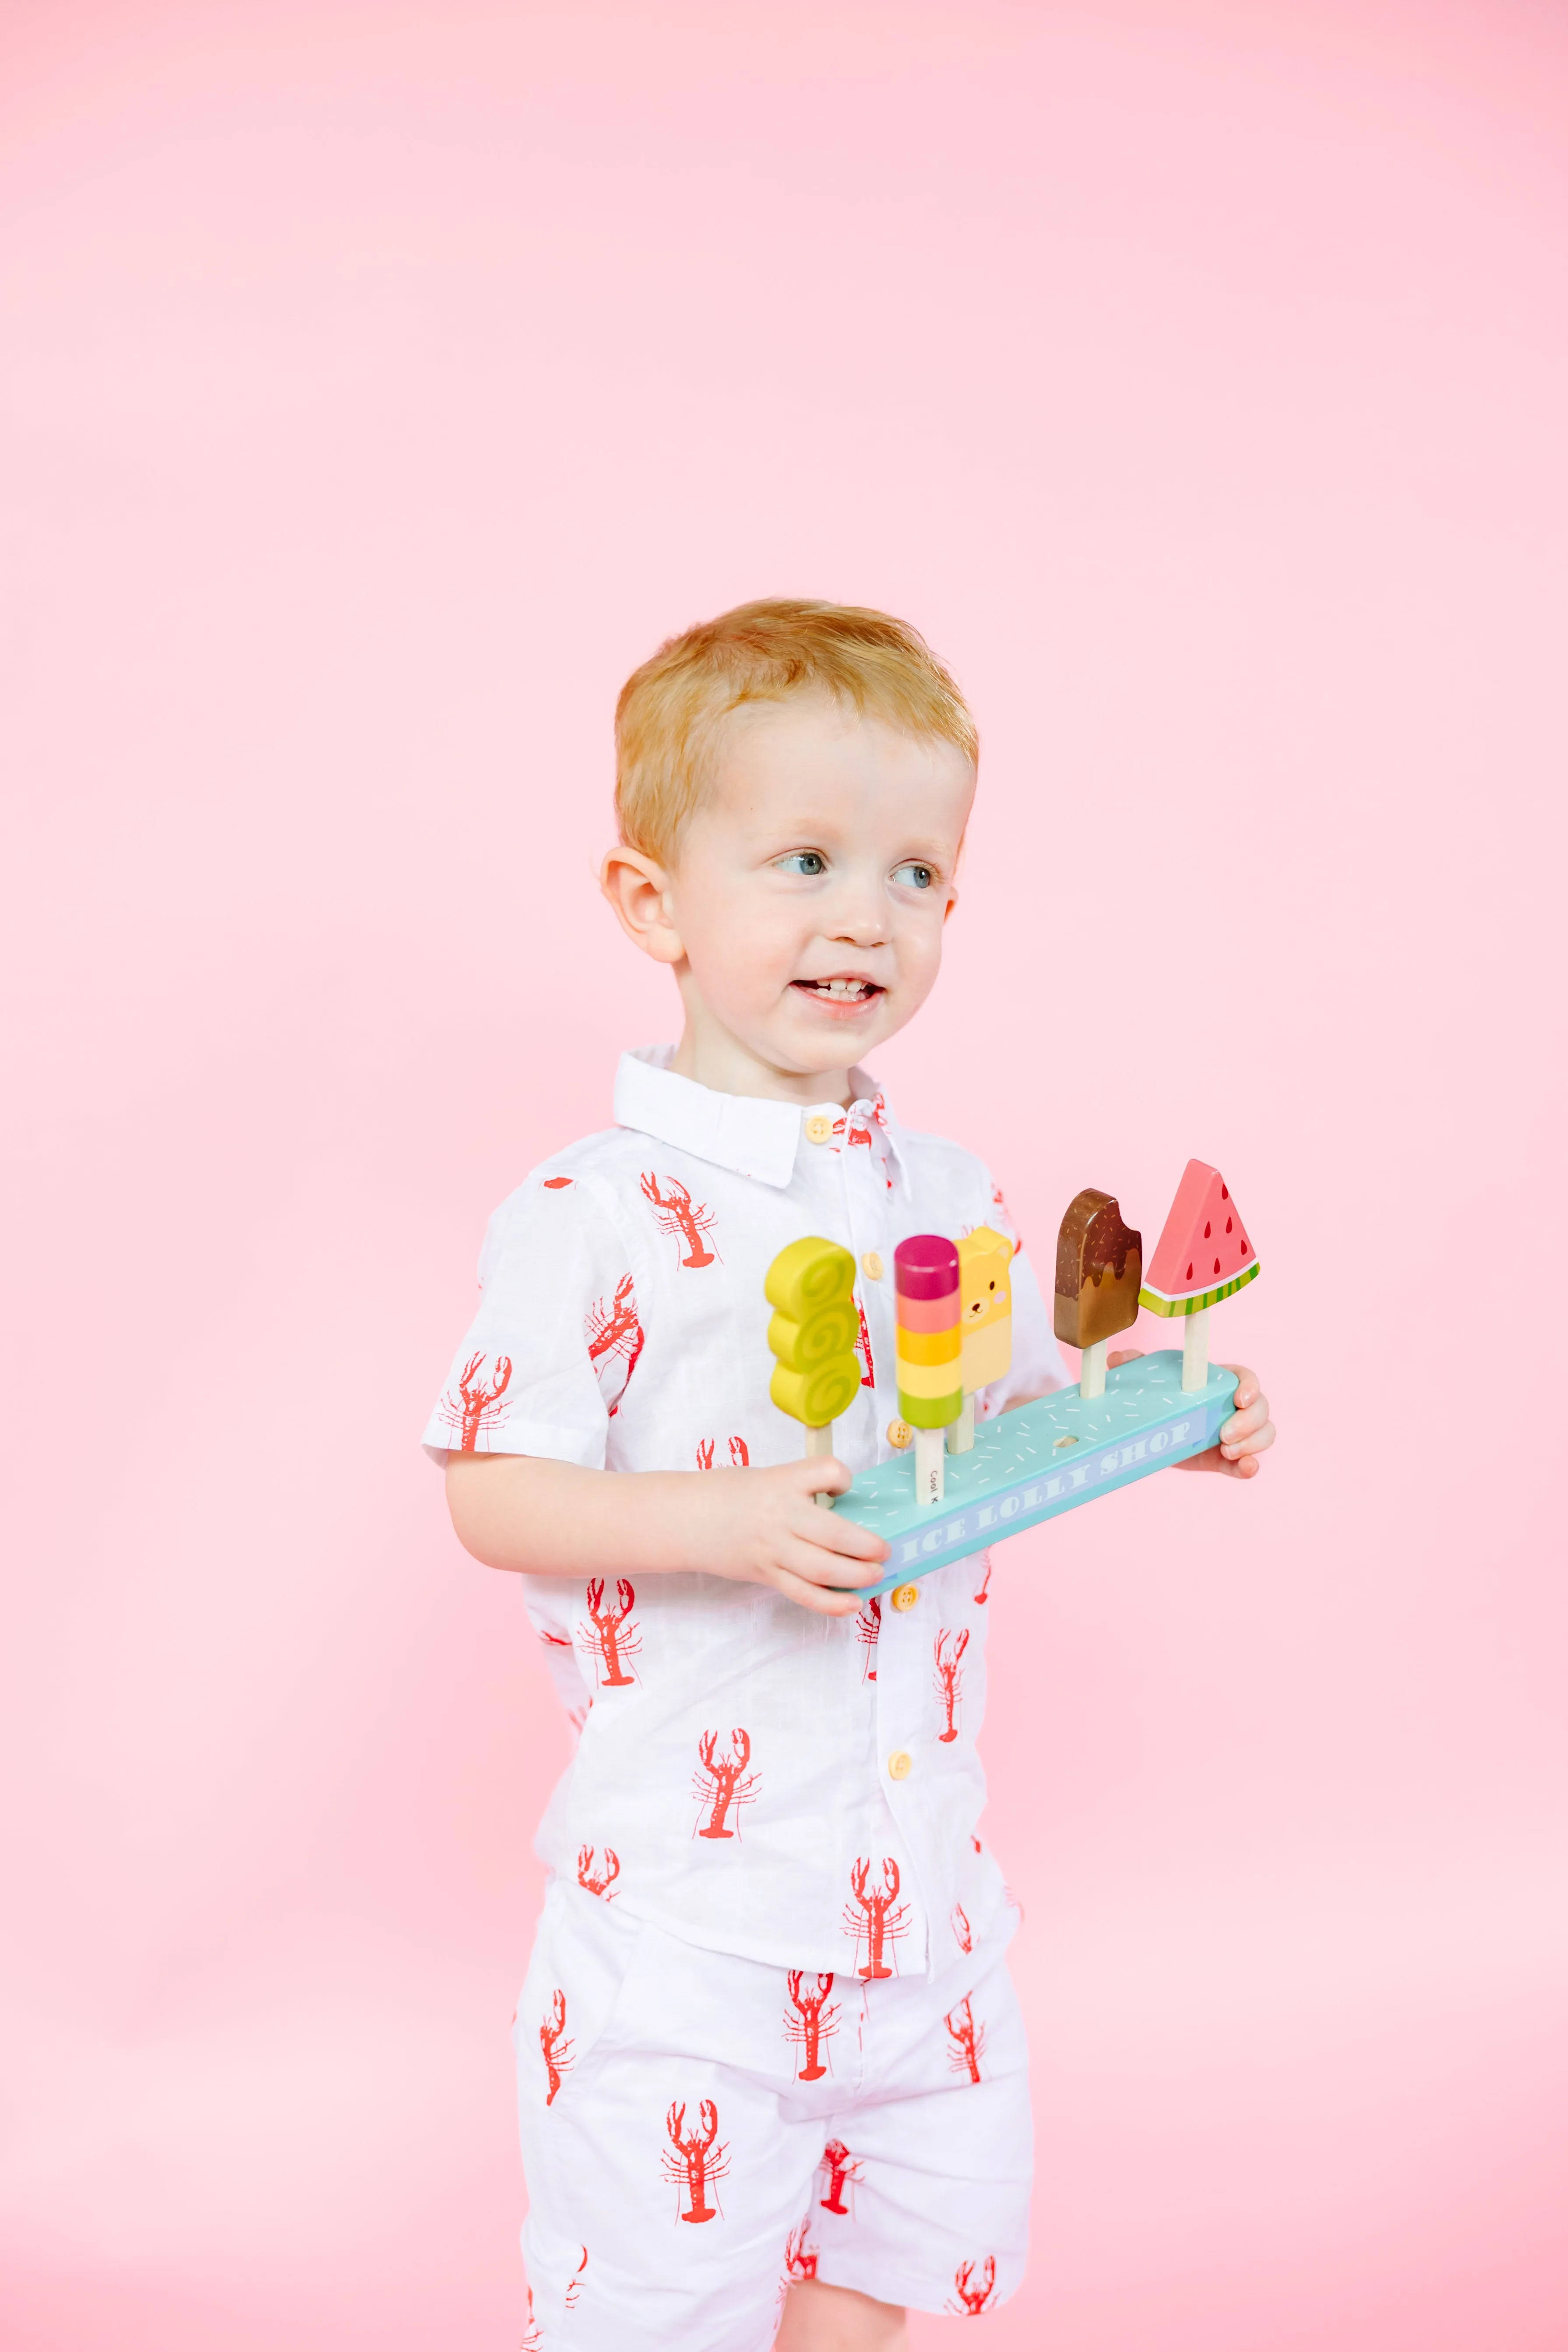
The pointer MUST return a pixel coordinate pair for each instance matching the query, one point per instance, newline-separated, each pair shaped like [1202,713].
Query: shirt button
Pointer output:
[871,1265]
[899,1433]
[818,1127]
[900,1764]
[906,1596]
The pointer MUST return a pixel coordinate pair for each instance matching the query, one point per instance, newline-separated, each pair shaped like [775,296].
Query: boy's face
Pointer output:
[812,885]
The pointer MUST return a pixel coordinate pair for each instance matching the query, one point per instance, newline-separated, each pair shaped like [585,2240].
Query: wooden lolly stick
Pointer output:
[1196,1352]
[819,1442]
[930,1466]
[961,1432]
[1091,1371]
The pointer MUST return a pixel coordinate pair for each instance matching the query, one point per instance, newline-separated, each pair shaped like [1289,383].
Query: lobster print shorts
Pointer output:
[698,2131]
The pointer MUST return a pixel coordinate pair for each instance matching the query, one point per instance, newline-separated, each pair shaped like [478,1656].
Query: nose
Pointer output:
[859,916]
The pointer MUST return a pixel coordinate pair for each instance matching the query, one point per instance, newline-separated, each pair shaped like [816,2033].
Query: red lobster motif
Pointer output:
[722,1780]
[699,2158]
[880,1924]
[839,2167]
[601,1882]
[949,1681]
[972,2299]
[961,1934]
[532,2337]
[615,1338]
[983,1594]
[739,1454]
[868,1630]
[968,2039]
[800,2260]
[868,1377]
[480,1407]
[553,2041]
[681,1216]
[615,1639]
[815,2024]
[574,2285]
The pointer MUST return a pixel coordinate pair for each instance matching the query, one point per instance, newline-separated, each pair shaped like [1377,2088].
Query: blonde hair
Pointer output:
[670,709]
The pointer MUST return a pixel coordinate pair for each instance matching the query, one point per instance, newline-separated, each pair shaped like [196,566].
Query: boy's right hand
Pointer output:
[763,1527]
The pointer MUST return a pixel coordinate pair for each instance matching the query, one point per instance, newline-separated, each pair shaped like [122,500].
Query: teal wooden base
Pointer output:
[1038,1460]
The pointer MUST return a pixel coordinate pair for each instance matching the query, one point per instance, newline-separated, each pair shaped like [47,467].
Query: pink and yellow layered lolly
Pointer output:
[930,1339]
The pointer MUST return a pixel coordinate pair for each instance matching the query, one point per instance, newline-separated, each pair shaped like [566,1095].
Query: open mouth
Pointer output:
[844,994]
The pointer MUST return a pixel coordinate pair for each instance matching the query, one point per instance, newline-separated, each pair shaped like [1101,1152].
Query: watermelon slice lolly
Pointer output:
[1203,1256]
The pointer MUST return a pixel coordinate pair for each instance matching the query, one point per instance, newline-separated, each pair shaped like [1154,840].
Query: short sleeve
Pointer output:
[547,1358]
[1037,1365]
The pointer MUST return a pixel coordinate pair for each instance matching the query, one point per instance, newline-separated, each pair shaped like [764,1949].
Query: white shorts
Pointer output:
[698,2131]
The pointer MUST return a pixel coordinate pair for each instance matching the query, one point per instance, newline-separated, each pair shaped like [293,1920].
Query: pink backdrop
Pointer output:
[382,382]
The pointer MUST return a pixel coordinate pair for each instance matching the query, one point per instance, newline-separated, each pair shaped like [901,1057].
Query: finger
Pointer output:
[821,1599]
[1257,1441]
[809,1523]
[817,1565]
[1242,1424]
[1246,1384]
[822,1473]
[1121,1356]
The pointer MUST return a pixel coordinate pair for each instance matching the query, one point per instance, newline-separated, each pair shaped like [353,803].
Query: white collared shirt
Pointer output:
[749,1776]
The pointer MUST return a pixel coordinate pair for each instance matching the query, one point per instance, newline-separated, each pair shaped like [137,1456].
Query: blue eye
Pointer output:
[809,862]
[914,876]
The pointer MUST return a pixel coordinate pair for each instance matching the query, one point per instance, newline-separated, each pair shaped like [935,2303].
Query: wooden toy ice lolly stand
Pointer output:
[810,1286]
[1034,1461]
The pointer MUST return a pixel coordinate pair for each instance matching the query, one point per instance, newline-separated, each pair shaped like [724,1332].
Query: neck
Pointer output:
[714,1057]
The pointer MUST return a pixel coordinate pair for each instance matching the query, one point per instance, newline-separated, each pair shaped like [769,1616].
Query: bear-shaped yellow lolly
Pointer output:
[984,1278]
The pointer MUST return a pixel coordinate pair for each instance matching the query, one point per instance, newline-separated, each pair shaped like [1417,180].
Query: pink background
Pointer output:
[381,383]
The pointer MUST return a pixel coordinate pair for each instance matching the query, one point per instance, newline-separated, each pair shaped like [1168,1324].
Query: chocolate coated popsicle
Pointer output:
[1100,1266]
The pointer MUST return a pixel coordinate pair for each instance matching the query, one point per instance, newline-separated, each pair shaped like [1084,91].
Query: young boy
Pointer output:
[768,2050]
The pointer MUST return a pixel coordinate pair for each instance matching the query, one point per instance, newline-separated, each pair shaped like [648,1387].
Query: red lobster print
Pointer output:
[553,2041]
[949,1681]
[880,1924]
[814,2025]
[984,1595]
[681,1216]
[722,1780]
[614,1335]
[800,2260]
[616,1639]
[868,1377]
[739,1454]
[532,2337]
[868,1630]
[845,1130]
[968,2039]
[574,2285]
[598,1883]
[962,1935]
[480,1407]
[973,2299]
[839,2167]
[699,2159]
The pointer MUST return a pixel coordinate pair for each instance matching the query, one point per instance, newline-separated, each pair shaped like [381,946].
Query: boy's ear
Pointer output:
[638,887]
[951,900]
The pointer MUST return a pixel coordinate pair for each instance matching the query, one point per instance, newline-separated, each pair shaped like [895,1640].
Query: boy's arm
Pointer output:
[760,1526]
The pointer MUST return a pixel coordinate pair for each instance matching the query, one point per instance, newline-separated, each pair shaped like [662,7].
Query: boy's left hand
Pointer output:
[1243,1438]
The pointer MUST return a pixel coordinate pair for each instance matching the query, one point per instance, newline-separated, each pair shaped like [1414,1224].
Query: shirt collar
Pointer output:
[745,1133]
